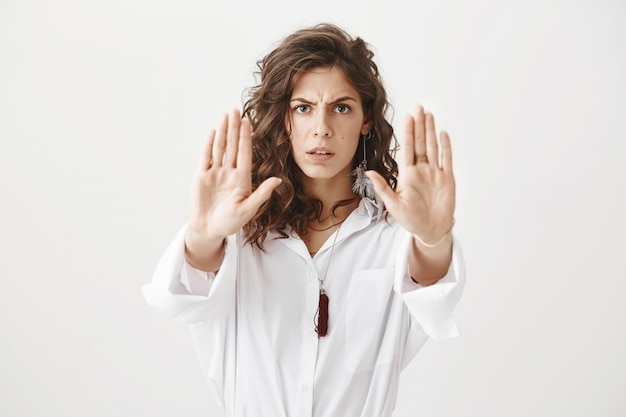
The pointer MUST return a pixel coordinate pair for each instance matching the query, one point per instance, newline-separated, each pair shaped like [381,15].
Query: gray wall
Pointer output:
[104,105]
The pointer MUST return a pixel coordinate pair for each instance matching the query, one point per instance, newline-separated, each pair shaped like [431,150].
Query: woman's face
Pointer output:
[325,122]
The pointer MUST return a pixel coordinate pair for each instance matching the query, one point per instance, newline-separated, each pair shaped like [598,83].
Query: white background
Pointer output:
[104,105]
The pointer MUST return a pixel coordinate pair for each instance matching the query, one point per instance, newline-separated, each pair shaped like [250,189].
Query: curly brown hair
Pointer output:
[322,45]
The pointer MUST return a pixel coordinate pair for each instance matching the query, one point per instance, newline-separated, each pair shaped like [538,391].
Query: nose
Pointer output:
[322,127]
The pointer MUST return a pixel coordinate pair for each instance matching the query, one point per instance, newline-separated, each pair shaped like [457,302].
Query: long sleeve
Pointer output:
[431,306]
[187,294]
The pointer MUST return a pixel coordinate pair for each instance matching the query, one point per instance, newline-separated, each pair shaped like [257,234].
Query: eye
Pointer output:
[302,108]
[342,108]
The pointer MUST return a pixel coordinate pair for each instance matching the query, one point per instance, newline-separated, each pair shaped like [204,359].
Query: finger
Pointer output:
[219,144]
[446,152]
[205,154]
[420,136]
[260,195]
[244,150]
[407,148]
[383,190]
[232,138]
[432,150]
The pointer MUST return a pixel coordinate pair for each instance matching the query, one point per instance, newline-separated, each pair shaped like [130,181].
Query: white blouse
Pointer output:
[253,322]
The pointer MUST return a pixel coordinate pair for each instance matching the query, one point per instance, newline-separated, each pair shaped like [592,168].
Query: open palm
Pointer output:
[222,199]
[424,199]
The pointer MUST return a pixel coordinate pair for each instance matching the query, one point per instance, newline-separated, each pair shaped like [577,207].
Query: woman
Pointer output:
[314,266]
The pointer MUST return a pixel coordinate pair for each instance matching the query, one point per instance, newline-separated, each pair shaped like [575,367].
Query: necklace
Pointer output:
[329,227]
[321,315]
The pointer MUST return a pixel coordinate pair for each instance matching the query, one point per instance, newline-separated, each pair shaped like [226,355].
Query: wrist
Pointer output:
[199,247]
[435,242]
[428,264]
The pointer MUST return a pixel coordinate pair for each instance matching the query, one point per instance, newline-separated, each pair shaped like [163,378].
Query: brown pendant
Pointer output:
[322,315]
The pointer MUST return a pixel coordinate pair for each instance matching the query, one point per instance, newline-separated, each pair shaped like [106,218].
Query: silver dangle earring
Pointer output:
[362,185]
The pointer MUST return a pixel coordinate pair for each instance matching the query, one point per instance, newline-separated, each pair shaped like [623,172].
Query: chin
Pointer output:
[325,174]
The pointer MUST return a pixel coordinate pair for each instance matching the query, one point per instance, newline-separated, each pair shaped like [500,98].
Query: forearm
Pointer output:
[427,265]
[202,253]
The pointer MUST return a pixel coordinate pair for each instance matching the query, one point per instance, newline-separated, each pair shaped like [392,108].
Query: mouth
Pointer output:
[320,151]
[320,154]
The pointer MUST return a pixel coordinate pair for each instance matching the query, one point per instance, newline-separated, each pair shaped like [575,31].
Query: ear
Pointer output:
[367,126]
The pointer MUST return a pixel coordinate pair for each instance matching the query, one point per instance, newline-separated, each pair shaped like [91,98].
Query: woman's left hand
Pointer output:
[424,199]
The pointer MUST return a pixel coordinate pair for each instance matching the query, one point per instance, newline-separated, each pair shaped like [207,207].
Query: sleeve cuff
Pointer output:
[431,306]
[188,294]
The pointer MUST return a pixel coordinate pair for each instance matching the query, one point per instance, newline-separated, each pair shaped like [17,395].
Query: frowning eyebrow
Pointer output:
[339,100]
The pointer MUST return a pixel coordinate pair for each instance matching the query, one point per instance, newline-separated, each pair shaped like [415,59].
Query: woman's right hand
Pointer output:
[222,201]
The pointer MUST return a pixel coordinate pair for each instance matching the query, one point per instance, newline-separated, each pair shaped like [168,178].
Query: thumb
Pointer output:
[261,194]
[384,191]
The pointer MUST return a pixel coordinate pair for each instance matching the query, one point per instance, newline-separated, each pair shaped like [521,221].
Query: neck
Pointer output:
[331,219]
[329,193]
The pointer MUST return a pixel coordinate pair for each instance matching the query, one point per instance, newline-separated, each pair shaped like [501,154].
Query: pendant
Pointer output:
[322,315]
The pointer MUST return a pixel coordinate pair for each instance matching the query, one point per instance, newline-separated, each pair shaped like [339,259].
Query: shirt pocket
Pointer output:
[367,310]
